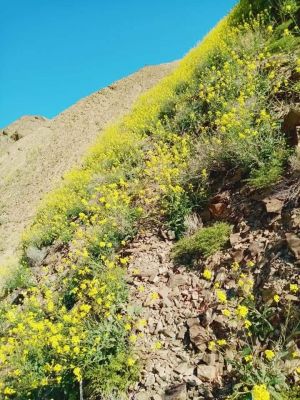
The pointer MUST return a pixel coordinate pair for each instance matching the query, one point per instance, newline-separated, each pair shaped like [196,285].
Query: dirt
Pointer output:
[35,152]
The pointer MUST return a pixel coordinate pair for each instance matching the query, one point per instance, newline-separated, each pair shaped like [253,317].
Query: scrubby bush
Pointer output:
[205,242]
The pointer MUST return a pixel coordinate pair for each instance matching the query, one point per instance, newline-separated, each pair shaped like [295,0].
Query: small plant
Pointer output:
[206,241]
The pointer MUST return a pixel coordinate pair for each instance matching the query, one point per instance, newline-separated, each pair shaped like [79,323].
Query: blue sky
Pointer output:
[54,52]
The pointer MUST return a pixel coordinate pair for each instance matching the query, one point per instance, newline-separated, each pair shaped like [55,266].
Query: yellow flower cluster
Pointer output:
[260,392]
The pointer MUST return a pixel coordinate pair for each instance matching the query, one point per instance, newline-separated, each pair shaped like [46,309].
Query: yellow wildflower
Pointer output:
[127,326]
[154,296]
[248,358]
[276,298]
[247,324]
[211,345]
[221,342]
[132,338]
[9,391]
[221,295]
[295,354]
[141,323]
[260,392]
[130,361]
[242,311]
[157,346]
[204,173]
[57,368]
[294,288]
[269,354]
[77,373]
[207,274]
[250,264]
[226,312]
[235,266]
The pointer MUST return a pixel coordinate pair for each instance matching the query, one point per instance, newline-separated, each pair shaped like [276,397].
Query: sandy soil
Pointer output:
[35,152]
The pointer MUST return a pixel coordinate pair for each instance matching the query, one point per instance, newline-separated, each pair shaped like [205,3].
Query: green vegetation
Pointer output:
[206,241]
[221,109]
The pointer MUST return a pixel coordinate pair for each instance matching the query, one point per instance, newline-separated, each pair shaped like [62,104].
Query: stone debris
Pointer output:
[172,342]
[178,306]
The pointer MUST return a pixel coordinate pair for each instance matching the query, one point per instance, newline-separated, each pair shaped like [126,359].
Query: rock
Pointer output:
[192,380]
[35,255]
[238,255]
[159,327]
[164,294]
[291,297]
[219,326]
[142,396]
[177,280]
[255,248]
[209,358]
[198,334]
[150,272]
[171,235]
[293,242]
[162,372]
[149,379]
[207,316]
[184,369]
[181,333]
[218,209]
[207,372]
[273,205]
[234,238]
[289,126]
[176,392]
[168,332]
[291,365]
[156,397]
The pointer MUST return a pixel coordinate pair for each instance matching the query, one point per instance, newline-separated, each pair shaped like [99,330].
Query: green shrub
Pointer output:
[206,241]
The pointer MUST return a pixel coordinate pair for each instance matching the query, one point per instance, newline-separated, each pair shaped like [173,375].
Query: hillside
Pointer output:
[35,152]
[166,266]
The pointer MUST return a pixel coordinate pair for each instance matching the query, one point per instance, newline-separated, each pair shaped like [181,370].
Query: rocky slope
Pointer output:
[179,315]
[35,152]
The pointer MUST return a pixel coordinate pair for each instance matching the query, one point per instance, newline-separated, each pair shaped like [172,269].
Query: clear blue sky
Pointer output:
[54,52]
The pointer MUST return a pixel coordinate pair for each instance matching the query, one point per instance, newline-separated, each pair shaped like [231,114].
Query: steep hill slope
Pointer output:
[166,265]
[35,152]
